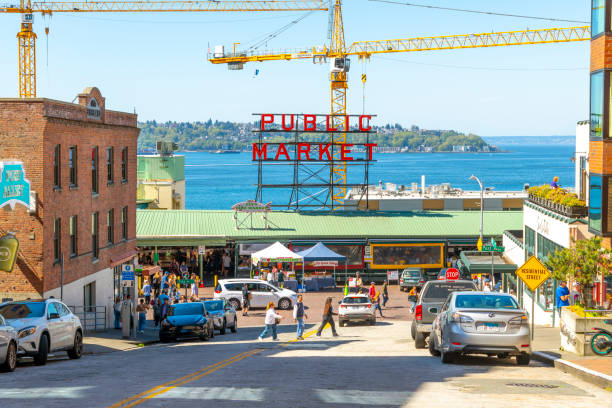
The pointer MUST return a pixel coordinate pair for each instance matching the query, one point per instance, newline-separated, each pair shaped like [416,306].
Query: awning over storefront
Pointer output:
[474,262]
[123,257]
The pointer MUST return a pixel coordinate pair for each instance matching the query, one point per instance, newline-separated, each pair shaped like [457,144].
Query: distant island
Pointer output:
[232,136]
[530,140]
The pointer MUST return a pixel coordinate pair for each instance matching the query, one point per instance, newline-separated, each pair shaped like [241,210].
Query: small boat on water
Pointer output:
[226,151]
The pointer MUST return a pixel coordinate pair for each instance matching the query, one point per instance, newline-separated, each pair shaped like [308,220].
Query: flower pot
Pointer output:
[576,331]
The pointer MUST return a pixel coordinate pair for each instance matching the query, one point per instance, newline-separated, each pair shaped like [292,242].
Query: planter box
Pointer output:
[571,212]
[572,330]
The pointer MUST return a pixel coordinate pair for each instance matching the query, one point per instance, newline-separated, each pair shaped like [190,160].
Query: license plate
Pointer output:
[488,327]
[188,327]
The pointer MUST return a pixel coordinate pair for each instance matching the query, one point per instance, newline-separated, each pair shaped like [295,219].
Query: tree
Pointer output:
[583,263]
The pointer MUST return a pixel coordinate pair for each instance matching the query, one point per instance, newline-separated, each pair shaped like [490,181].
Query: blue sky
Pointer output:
[156,64]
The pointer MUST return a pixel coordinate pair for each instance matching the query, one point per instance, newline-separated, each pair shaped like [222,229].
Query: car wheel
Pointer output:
[77,348]
[432,346]
[447,357]
[205,336]
[235,303]
[11,358]
[373,321]
[523,359]
[224,327]
[284,304]
[413,330]
[341,323]
[419,340]
[211,331]
[164,339]
[43,349]
[235,326]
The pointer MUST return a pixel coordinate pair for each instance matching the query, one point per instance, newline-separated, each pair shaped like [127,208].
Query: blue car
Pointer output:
[222,314]
[186,320]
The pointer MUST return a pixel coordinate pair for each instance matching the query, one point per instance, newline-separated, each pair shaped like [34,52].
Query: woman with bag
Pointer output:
[157,311]
[272,320]
[328,317]
[385,293]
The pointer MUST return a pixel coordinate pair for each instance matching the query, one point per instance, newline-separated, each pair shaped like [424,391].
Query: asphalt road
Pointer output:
[366,366]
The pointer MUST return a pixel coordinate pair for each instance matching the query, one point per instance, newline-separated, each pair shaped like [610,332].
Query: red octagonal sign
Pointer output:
[452,274]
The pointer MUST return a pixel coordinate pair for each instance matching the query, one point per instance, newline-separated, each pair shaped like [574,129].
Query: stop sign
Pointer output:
[452,274]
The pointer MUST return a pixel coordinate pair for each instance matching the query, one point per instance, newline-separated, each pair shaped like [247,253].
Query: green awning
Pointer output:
[474,262]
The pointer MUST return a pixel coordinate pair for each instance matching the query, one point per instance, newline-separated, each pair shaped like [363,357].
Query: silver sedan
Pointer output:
[481,323]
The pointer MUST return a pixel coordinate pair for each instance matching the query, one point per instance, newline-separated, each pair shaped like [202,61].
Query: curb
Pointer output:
[591,376]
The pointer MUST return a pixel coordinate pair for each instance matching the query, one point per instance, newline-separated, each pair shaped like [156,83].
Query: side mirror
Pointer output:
[433,310]
[54,316]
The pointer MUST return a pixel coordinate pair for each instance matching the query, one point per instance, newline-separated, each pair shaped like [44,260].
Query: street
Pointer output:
[365,366]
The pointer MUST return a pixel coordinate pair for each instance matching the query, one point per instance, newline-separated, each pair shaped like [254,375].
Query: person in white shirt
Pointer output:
[227,262]
[270,277]
[271,321]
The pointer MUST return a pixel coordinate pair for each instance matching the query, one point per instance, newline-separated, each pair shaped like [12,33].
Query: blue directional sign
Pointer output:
[127,272]
[14,187]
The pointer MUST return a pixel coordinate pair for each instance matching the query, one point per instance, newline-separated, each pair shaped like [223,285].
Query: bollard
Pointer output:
[215,284]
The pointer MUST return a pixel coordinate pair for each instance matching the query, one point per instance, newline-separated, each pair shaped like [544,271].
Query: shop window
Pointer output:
[595,203]
[89,297]
[530,240]
[110,158]
[57,239]
[73,236]
[72,164]
[124,170]
[402,255]
[95,249]
[57,168]
[124,223]
[598,17]
[546,248]
[597,105]
[94,170]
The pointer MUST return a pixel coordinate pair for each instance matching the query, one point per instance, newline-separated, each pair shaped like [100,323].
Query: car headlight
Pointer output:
[27,331]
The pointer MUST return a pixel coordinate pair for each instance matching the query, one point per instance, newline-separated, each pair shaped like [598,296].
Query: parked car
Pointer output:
[44,326]
[8,346]
[261,293]
[186,320]
[481,323]
[222,314]
[356,307]
[411,277]
[432,297]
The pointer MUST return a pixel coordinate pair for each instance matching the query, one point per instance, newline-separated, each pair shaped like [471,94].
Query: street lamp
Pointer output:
[473,177]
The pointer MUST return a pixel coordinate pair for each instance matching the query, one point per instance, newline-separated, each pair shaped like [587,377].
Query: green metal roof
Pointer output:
[210,227]
[169,168]
[480,262]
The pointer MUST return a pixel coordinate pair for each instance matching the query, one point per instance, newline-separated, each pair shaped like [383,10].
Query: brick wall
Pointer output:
[30,129]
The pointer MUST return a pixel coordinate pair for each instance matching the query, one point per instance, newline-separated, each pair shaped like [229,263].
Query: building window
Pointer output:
[110,159]
[124,223]
[57,168]
[94,170]
[89,297]
[597,105]
[124,171]
[95,249]
[546,248]
[73,236]
[72,163]
[57,239]
[530,241]
[598,17]
[595,203]
[110,225]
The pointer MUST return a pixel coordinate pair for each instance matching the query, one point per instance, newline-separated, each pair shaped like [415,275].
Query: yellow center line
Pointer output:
[173,382]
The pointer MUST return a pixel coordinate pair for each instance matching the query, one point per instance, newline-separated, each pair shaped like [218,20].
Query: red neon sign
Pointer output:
[260,152]
[288,122]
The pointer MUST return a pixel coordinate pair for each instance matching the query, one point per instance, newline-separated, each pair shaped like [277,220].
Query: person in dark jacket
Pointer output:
[328,317]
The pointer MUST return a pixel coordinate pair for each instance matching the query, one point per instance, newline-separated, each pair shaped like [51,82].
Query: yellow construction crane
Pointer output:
[27,38]
[337,54]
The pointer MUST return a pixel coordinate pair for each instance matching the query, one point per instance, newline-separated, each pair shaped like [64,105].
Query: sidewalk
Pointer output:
[546,348]
[111,340]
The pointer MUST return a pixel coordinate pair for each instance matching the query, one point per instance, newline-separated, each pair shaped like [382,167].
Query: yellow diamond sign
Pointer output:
[533,273]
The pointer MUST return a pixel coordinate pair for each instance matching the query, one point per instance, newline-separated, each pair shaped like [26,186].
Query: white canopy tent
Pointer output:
[276,252]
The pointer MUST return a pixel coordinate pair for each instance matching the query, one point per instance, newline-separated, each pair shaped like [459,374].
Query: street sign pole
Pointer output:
[533,274]
[533,315]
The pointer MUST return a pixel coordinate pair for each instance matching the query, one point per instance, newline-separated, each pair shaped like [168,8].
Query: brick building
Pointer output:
[80,160]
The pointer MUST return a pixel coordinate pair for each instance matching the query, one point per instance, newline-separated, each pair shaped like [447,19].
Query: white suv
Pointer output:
[44,326]
[261,293]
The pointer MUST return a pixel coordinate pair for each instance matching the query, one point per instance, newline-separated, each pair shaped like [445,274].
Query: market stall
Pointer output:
[277,253]
[321,256]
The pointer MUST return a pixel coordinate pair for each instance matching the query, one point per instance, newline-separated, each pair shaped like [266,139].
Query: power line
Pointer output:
[492,13]
[276,33]
[482,68]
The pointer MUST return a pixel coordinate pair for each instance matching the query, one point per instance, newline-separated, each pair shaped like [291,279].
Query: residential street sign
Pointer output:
[533,273]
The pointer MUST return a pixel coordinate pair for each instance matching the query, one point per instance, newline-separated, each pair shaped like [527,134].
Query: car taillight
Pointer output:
[440,277]
[422,281]
[418,312]
[342,306]
[369,305]
[524,345]
[217,291]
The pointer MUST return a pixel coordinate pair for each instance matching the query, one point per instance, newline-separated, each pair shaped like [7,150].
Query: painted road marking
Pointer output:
[359,397]
[216,393]
[160,389]
[51,392]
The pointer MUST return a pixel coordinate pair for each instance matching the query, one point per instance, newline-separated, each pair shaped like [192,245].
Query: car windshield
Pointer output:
[485,302]
[185,309]
[441,290]
[412,274]
[22,310]
[355,299]
[213,305]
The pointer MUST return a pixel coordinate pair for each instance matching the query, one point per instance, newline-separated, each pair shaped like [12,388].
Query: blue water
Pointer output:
[217,181]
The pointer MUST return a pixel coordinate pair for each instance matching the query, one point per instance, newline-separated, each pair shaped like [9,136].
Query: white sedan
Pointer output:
[356,307]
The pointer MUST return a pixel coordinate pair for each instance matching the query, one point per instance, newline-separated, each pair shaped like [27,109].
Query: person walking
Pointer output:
[385,293]
[298,316]
[270,276]
[328,317]
[146,291]
[281,278]
[227,263]
[141,309]
[128,307]
[376,301]
[372,291]
[165,308]
[272,319]
[246,301]
[117,310]
[358,282]
[195,285]
[157,312]
[156,283]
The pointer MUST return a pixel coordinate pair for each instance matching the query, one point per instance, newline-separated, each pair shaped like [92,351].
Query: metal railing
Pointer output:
[93,318]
